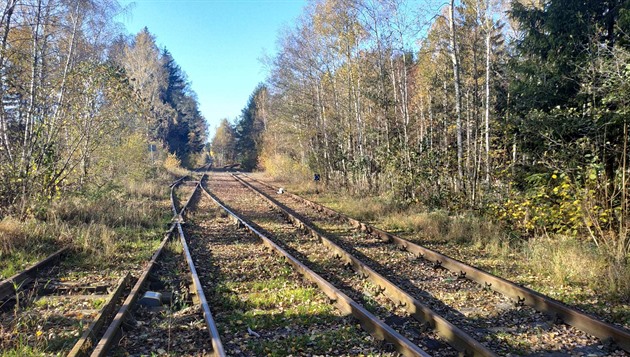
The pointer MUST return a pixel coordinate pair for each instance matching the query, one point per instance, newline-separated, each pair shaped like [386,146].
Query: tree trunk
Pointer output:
[64,78]
[5,22]
[458,97]
[487,106]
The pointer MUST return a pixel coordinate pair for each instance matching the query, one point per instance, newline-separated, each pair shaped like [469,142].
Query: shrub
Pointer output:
[286,169]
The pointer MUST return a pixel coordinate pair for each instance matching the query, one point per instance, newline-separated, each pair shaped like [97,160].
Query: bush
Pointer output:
[285,169]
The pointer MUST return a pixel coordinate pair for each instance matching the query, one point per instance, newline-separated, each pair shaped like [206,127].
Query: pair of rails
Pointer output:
[451,334]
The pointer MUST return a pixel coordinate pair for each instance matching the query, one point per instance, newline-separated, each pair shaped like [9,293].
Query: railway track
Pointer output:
[610,335]
[56,300]
[284,275]
[166,311]
[490,317]
[366,296]
[262,305]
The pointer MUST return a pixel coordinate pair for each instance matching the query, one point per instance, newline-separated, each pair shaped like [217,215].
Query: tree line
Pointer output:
[516,109]
[81,102]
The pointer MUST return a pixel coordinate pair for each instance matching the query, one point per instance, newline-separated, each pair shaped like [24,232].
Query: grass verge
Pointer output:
[111,230]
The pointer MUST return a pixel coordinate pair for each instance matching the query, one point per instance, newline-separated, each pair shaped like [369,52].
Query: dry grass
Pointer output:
[96,239]
[148,189]
[111,211]
[569,261]
[561,261]
[12,235]
[361,208]
[22,242]
[103,223]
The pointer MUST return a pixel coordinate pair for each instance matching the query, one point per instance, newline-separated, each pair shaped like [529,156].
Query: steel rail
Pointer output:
[453,335]
[368,321]
[88,338]
[14,284]
[217,346]
[606,332]
[110,335]
[177,182]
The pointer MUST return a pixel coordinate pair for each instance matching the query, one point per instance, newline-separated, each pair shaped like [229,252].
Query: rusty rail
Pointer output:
[606,332]
[14,284]
[453,335]
[88,338]
[368,321]
[112,332]
[217,346]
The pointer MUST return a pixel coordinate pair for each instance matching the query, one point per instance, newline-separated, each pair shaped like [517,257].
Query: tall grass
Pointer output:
[102,222]
[284,169]
[12,235]
[569,261]
[560,260]
[24,241]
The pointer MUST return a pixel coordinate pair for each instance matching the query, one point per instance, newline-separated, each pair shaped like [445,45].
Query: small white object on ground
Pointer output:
[252,332]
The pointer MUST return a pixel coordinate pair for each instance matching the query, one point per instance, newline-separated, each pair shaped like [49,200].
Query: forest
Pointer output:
[515,110]
[83,105]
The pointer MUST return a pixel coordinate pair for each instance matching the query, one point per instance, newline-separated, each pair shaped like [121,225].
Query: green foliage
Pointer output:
[172,162]
[185,133]
[249,127]
[551,204]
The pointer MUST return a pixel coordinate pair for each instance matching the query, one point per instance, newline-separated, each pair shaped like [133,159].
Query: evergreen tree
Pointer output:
[249,129]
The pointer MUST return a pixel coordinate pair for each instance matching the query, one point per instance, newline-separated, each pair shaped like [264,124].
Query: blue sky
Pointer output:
[218,43]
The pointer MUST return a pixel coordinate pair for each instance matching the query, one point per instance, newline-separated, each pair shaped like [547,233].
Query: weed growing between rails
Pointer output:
[260,304]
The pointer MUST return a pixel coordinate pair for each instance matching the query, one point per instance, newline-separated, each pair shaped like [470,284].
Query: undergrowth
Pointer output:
[112,221]
[556,259]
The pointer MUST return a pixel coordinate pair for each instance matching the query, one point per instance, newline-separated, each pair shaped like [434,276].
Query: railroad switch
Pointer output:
[178,219]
